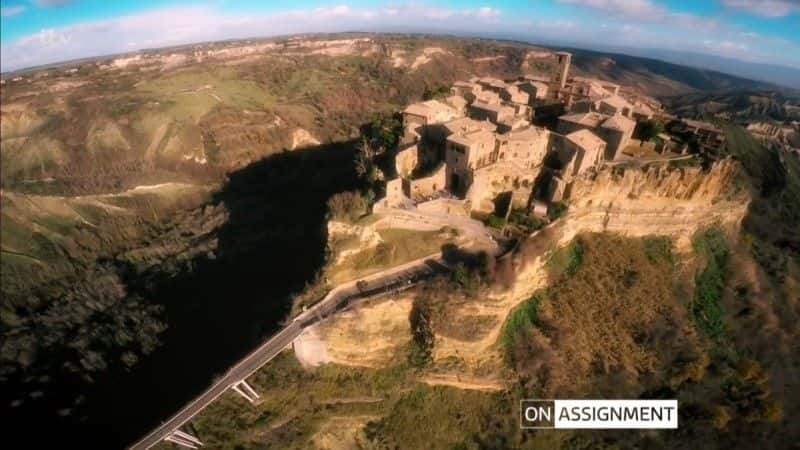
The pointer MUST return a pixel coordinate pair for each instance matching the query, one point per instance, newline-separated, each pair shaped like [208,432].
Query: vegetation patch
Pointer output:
[706,308]
[523,222]
[495,222]
[605,303]
[566,260]
[521,320]
[556,210]
[347,206]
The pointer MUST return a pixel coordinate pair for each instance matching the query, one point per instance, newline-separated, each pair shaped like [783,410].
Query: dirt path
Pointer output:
[156,144]
[456,381]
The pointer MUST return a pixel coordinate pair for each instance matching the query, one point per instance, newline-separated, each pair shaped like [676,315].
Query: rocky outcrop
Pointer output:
[657,200]
[636,202]
[345,239]
[302,138]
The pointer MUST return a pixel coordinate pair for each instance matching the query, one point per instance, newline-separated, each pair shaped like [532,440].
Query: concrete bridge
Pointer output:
[395,279]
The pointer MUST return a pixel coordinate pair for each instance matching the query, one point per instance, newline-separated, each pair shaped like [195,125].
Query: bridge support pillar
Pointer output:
[183,439]
[246,391]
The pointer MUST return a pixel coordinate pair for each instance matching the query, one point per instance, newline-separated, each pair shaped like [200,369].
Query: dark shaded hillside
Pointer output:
[217,306]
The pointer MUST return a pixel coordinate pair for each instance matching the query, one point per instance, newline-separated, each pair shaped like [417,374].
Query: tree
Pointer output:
[383,132]
[649,129]
[365,162]
[436,92]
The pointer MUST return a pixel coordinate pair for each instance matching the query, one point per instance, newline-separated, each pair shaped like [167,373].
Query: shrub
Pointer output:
[521,319]
[523,220]
[436,92]
[495,221]
[347,206]
[556,210]
[422,338]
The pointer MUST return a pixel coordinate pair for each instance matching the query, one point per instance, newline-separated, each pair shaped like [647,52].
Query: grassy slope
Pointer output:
[616,323]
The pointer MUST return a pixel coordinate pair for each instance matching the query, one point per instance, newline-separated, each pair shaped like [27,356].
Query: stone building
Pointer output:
[458,103]
[466,89]
[465,153]
[417,116]
[493,153]
[615,130]
[708,136]
[492,84]
[494,112]
[527,147]
[536,90]
[614,105]
[514,94]
[578,152]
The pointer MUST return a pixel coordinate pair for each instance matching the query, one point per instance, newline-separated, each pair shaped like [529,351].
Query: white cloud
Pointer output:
[174,26]
[636,9]
[49,3]
[11,11]
[647,11]
[765,8]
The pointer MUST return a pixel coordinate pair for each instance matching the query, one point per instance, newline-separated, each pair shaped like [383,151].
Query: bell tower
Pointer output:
[564,60]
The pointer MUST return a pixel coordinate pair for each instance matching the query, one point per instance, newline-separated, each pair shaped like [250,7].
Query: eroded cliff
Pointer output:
[673,202]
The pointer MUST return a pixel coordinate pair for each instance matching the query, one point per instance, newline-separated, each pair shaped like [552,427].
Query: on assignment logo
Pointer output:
[599,414]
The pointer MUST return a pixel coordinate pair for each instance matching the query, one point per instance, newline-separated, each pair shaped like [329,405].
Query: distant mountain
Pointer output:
[740,106]
[657,77]
[678,64]
[772,73]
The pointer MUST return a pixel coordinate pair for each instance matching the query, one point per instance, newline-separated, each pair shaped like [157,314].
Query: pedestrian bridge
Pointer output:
[390,280]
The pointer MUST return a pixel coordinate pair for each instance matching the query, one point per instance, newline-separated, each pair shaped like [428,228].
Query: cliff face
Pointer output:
[635,202]
[657,200]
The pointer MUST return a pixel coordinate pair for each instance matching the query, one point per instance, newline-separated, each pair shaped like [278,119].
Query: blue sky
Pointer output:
[44,31]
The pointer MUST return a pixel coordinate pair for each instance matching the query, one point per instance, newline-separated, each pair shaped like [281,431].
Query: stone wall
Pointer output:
[444,206]
[496,179]
[427,186]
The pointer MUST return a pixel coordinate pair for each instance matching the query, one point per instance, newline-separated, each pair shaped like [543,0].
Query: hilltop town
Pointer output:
[489,146]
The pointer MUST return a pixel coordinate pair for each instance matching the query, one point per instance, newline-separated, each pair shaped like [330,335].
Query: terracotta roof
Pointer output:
[428,108]
[456,101]
[617,102]
[585,139]
[590,119]
[619,122]
[538,84]
[527,133]
[469,139]
[487,106]
[464,125]
[494,82]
